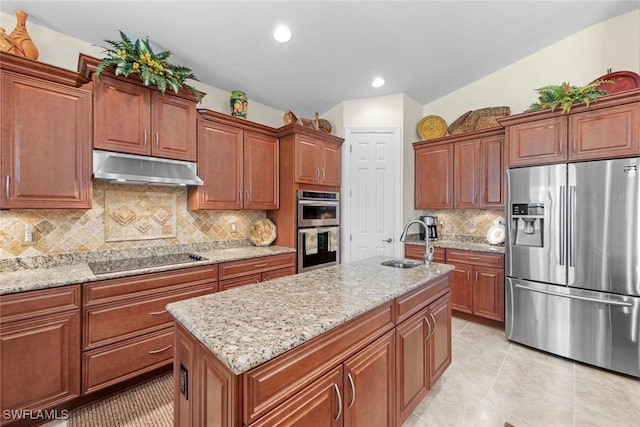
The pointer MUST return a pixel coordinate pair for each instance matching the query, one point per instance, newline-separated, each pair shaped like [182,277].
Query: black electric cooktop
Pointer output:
[125,264]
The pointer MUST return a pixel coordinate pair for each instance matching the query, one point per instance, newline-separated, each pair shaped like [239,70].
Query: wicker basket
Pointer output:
[464,123]
[487,117]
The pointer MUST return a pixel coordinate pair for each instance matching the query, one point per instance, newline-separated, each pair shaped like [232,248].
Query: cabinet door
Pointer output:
[321,404]
[605,133]
[462,288]
[492,172]
[412,382]
[440,340]
[40,361]
[330,165]
[307,160]
[45,144]
[369,381]
[261,177]
[488,293]
[538,142]
[122,117]
[467,175]
[173,129]
[434,177]
[219,166]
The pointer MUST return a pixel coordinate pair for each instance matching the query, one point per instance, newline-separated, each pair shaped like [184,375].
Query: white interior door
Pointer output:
[374,192]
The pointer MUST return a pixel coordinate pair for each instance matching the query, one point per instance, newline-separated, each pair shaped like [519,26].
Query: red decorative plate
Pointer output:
[624,80]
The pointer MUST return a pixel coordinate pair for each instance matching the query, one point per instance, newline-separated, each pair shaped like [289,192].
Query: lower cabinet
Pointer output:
[477,283]
[417,252]
[423,351]
[39,349]
[256,270]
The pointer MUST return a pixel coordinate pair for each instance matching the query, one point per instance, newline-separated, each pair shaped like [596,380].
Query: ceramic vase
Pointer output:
[6,44]
[238,102]
[21,38]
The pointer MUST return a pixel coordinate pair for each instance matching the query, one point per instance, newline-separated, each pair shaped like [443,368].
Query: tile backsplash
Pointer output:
[148,213]
[466,222]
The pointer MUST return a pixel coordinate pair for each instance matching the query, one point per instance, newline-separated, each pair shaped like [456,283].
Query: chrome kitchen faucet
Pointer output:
[428,249]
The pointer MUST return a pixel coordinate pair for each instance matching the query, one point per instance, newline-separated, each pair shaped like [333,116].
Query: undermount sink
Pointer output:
[395,263]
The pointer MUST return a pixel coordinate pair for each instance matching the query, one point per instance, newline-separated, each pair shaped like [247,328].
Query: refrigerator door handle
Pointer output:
[578,297]
[572,225]
[563,208]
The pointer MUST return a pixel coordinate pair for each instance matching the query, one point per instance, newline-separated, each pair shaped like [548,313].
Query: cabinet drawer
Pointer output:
[249,279]
[414,301]
[107,324]
[272,383]
[38,303]
[417,252]
[113,364]
[125,288]
[276,274]
[475,258]
[229,270]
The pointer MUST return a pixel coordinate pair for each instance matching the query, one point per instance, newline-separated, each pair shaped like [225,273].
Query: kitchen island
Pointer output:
[358,343]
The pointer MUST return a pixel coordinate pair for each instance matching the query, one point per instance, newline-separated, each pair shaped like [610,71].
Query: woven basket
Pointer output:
[464,123]
[487,117]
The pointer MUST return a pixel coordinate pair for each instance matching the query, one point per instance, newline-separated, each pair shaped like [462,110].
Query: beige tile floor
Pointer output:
[492,380]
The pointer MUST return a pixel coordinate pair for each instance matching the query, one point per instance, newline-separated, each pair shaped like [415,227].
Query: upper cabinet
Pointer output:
[131,118]
[45,144]
[463,171]
[238,161]
[315,155]
[606,129]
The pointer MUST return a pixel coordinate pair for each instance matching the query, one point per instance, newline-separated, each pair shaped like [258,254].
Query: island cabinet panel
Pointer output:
[39,348]
[272,383]
[45,144]
[186,401]
[439,341]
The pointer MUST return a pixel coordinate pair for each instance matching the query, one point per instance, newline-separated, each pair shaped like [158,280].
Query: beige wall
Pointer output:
[61,50]
[578,59]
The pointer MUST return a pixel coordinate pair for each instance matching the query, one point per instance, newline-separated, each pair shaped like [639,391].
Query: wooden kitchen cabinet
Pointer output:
[477,283]
[45,144]
[434,176]
[466,172]
[314,157]
[417,252]
[607,129]
[126,329]
[238,162]
[39,348]
[256,270]
[132,118]
[423,352]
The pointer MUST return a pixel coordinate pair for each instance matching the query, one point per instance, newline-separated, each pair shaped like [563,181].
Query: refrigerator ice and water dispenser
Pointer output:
[527,224]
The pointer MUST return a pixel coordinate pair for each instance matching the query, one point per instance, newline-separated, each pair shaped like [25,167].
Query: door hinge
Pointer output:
[350,148]
[350,237]
[350,193]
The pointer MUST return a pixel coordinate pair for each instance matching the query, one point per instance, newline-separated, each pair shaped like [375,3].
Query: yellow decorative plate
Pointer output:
[431,127]
[262,232]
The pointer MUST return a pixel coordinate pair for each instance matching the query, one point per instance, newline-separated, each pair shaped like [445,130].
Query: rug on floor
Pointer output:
[149,404]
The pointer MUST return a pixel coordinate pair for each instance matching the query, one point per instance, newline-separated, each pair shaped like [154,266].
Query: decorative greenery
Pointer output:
[127,57]
[565,96]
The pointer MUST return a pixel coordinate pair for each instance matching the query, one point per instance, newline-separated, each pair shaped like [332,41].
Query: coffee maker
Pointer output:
[432,227]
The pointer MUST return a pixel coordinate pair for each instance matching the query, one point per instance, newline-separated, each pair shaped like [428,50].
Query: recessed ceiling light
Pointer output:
[282,34]
[377,82]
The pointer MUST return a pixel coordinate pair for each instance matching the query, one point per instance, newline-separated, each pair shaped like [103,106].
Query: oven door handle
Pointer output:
[318,229]
[317,203]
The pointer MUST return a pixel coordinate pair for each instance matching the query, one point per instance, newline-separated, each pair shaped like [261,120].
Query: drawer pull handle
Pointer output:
[429,326]
[156,313]
[435,324]
[6,187]
[161,350]
[264,264]
[353,390]
[335,386]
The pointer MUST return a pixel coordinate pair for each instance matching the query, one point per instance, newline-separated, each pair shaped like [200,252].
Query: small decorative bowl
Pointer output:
[262,232]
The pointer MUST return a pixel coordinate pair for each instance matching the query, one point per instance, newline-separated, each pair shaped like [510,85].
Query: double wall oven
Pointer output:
[318,229]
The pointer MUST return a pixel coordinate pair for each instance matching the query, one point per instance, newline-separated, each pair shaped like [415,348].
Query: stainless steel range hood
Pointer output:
[129,168]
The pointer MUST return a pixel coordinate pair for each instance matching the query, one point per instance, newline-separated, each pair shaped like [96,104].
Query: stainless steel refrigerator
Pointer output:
[572,261]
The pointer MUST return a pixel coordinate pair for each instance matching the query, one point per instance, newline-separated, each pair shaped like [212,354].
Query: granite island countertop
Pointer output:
[74,270]
[457,243]
[247,326]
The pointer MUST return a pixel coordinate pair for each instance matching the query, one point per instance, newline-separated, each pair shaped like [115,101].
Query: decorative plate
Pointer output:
[495,235]
[262,232]
[624,80]
[431,127]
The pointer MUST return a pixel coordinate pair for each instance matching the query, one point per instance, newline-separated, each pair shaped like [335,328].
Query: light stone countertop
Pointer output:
[29,279]
[466,245]
[247,326]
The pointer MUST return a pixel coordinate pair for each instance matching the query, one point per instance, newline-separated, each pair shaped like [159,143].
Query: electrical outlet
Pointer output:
[29,236]
[234,227]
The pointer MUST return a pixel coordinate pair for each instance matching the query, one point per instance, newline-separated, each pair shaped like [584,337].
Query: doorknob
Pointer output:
[389,240]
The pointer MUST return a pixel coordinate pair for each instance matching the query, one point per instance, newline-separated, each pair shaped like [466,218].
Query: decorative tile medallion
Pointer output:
[132,216]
